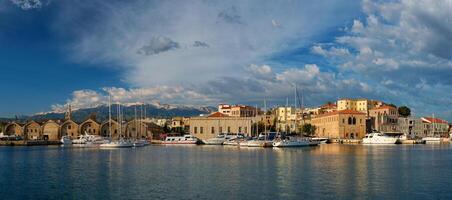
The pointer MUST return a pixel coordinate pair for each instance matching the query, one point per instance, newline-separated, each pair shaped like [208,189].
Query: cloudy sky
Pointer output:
[206,52]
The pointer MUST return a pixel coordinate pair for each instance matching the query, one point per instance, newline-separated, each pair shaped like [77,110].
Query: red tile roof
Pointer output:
[217,114]
[342,112]
[384,107]
[434,120]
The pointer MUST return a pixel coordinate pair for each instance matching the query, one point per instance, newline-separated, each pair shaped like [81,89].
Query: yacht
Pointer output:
[431,140]
[186,139]
[320,140]
[121,143]
[219,140]
[235,140]
[379,138]
[66,140]
[295,142]
[90,139]
[140,143]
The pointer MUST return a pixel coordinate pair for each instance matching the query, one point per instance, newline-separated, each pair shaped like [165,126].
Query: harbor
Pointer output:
[204,171]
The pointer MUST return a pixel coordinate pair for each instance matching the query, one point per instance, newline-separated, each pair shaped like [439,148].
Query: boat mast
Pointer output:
[265,124]
[285,116]
[109,115]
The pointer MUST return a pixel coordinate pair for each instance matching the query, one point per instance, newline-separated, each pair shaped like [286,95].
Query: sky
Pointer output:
[202,53]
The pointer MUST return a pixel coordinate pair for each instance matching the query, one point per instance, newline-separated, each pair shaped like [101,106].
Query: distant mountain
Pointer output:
[151,110]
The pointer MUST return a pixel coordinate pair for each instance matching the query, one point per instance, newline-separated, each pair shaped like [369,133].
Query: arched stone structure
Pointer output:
[51,131]
[14,128]
[134,130]
[90,127]
[33,131]
[69,128]
[105,129]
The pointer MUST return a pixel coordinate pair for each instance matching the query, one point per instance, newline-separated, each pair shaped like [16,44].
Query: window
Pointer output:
[201,130]
[229,129]
[212,130]
[220,129]
[196,129]
[69,127]
[354,120]
[343,121]
[349,121]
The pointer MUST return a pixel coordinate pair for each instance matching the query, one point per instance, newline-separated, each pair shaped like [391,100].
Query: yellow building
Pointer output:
[216,123]
[343,124]
[51,130]
[361,105]
[237,110]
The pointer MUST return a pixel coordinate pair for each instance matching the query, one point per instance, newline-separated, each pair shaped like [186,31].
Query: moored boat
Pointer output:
[295,142]
[320,140]
[65,140]
[431,140]
[121,143]
[186,139]
[379,138]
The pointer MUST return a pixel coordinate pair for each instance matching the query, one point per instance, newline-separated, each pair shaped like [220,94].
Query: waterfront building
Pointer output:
[384,118]
[70,128]
[136,129]
[411,127]
[286,119]
[435,127]
[32,130]
[237,110]
[51,130]
[180,124]
[341,124]
[90,126]
[14,128]
[210,126]
[361,105]
[105,129]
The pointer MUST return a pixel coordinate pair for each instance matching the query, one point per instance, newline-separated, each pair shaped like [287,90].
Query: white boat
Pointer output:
[66,140]
[186,139]
[295,142]
[121,143]
[140,143]
[431,140]
[379,138]
[233,142]
[256,143]
[219,140]
[90,139]
[320,140]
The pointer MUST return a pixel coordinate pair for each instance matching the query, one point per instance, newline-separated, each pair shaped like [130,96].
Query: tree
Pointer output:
[308,129]
[404,111]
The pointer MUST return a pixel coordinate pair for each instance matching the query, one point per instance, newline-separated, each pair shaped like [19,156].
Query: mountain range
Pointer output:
[101,112]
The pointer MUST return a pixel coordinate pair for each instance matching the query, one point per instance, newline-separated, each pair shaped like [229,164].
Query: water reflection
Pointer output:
[223,172]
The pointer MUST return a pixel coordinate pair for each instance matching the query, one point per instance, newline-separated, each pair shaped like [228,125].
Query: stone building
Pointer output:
[14,128]
[238,110]
[342,124]
[384,118]
[411,127]
[51,130]
[216,123]
[90,126]
[136,129]
[435,127]
[32,131]
[70,128]
[105,129]
[361,105]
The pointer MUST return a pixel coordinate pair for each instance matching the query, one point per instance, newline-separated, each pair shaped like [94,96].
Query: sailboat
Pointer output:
[139,142]
[121,143]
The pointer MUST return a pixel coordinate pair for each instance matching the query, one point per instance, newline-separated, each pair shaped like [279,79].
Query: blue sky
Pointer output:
[208,52]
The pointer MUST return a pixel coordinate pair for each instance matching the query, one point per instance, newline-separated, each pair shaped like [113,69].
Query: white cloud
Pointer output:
[27,4]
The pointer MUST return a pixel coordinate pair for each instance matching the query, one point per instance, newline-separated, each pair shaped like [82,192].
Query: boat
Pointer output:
[121,143]
[90,139]
[431,140]
[219,140]
[295,142]
[140,143]
[65,140]
[379,138]
[320,140]
[186,139]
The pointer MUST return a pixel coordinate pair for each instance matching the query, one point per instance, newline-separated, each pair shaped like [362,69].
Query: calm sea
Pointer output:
[220,172]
